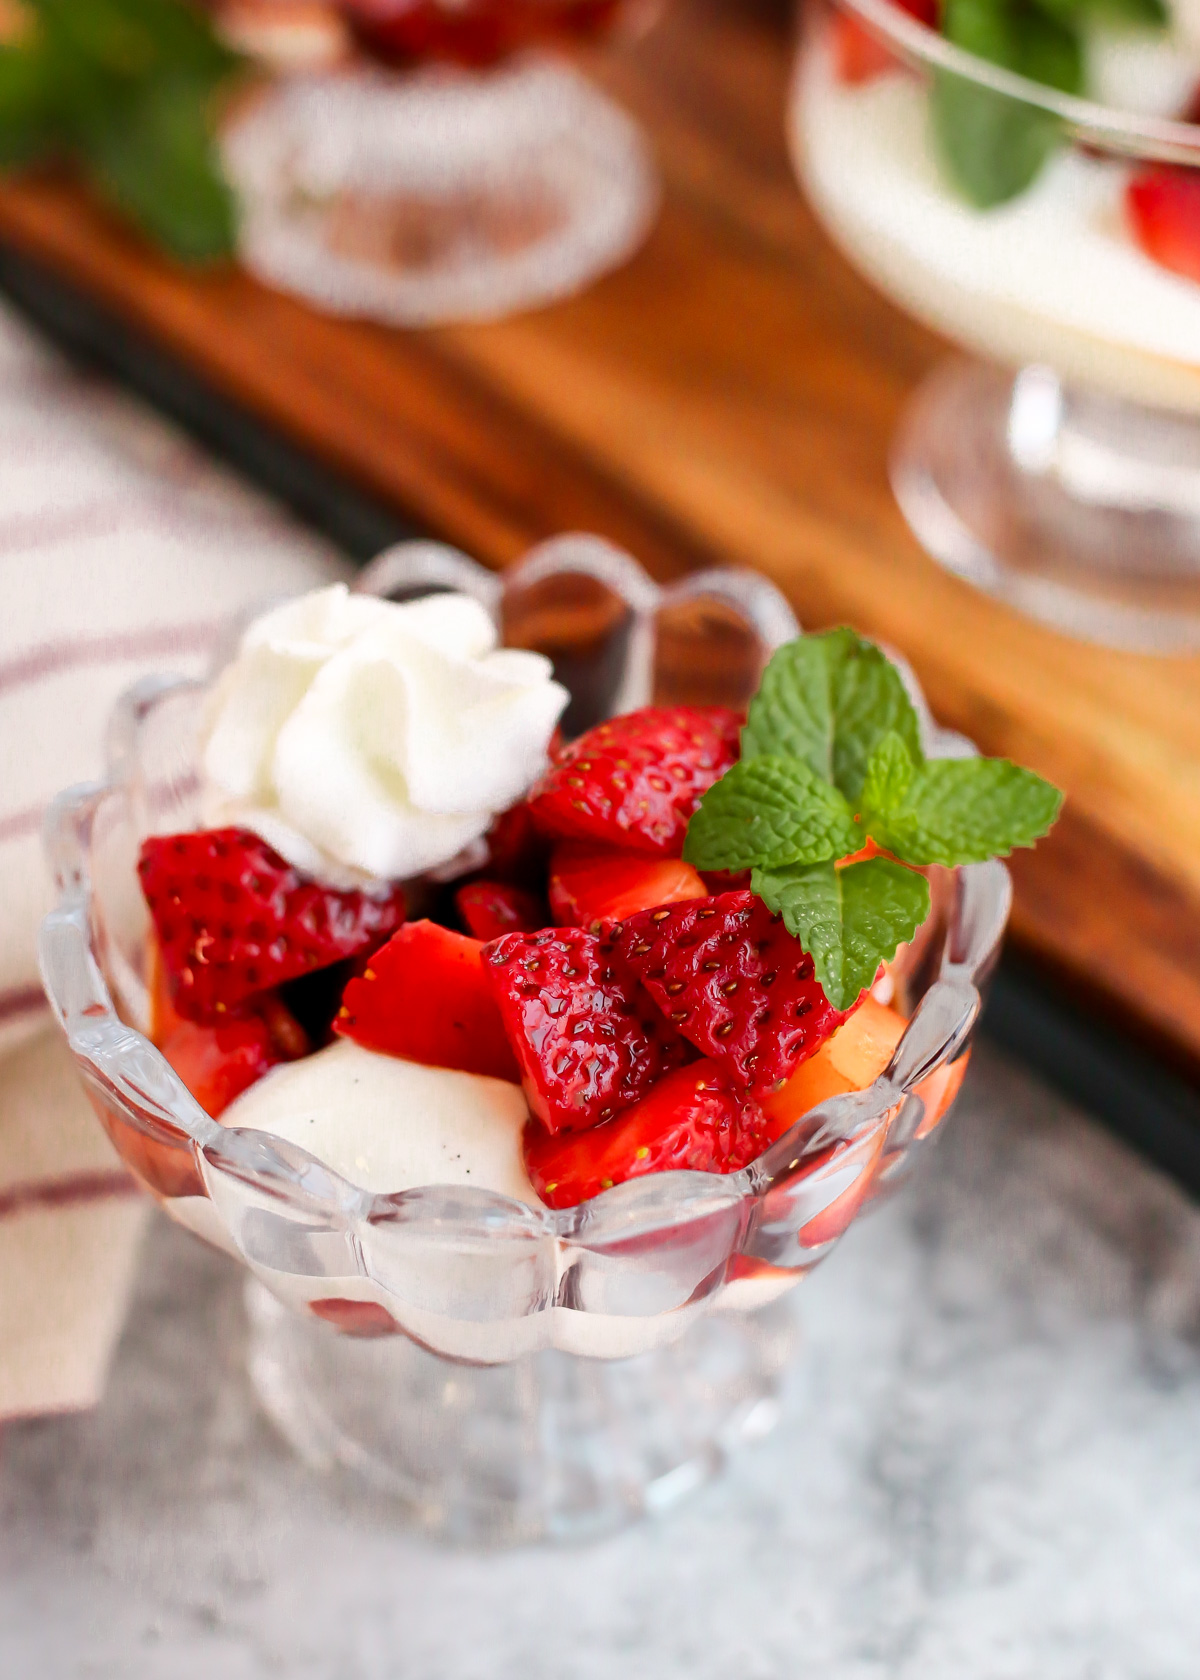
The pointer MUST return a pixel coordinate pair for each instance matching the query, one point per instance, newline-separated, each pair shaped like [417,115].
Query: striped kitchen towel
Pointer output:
[123,550]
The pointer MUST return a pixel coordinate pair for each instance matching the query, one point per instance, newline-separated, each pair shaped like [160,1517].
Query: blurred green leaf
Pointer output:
[993,146]
[158,163]
[129,90]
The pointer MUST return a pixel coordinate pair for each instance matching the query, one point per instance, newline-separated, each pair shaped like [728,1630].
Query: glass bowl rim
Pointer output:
[1108,128]
[109,1048]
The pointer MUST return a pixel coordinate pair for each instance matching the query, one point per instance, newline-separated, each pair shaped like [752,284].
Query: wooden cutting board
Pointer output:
[728,397]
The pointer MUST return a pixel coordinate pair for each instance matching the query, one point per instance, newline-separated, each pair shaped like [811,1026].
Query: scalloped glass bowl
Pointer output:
[623,1345]
[436,191]
[1067,480]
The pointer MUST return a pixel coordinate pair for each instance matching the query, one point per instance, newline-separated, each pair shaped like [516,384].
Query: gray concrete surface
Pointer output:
[988,1469]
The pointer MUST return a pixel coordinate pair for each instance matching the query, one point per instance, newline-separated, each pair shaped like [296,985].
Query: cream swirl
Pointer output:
[365,739]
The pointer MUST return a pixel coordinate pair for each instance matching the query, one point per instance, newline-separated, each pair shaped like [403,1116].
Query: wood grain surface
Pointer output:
[728,397]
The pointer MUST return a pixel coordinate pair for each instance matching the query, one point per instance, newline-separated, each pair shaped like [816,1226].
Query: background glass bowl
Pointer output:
[510,1371]
[1072,489]
[456,178]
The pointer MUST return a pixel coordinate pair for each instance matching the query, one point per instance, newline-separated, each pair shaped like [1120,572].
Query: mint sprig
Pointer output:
[831,755]
[128,91]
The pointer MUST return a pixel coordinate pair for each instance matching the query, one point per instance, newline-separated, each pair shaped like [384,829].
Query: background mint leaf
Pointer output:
[849,920]
[964,810]
[770,811]
[157,162]
[827,700]
[128,89]
[992,146]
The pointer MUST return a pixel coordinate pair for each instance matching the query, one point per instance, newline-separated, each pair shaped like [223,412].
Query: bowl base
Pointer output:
[440,195]
[1078,509]
[551,1447]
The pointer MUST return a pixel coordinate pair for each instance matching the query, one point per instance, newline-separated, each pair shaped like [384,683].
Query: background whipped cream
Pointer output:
[1054,276]
[365,739]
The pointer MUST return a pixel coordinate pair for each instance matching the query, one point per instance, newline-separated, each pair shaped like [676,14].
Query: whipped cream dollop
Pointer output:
[367,740]
[389,1125]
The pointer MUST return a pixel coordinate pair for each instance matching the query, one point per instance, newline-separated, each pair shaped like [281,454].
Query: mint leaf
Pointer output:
[993,146]
[827,700]
[849,920]
[889,775]
[1148,14]
[128,90]
[157,162]
[954,810]
[771,811]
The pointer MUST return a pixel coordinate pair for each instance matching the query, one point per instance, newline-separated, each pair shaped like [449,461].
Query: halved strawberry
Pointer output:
[731,978]
[636,780]
[426,997]
[588,1039]
[234,919]
[694,1119]
[492,908]
[590,884]
[860,56]
[1163,206]
[218,1063]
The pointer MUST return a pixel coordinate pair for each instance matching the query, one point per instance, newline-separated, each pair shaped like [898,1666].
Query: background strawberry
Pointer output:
[1163,206]
[234,919]
[731,978]
[693,1119]
[425,996]
[492,908]
[635,780]
[588,1039]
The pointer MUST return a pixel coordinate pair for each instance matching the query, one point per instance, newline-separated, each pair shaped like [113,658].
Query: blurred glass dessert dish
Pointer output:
[519,1203]
[459,172]
[1054,234]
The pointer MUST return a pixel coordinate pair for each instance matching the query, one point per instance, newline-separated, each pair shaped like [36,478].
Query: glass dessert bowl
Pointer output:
[461,171]
[510,1368]
[1059,237]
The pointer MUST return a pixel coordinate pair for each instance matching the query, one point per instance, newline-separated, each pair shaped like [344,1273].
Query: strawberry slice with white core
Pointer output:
[588,1039]
[729,976]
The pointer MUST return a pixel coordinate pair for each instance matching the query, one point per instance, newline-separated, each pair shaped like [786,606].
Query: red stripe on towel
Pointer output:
[22,1000]
[117,648]
[76,1190]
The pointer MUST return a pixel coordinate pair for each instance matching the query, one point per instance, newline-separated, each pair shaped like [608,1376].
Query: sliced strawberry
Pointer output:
[234,919]
[849,1060]
[636,780]
[858,55]
[493,908]
[426,997]
[588,1039]
[590,884]
[729,975]
[1163,206]
[218,1063]
[693,1119]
